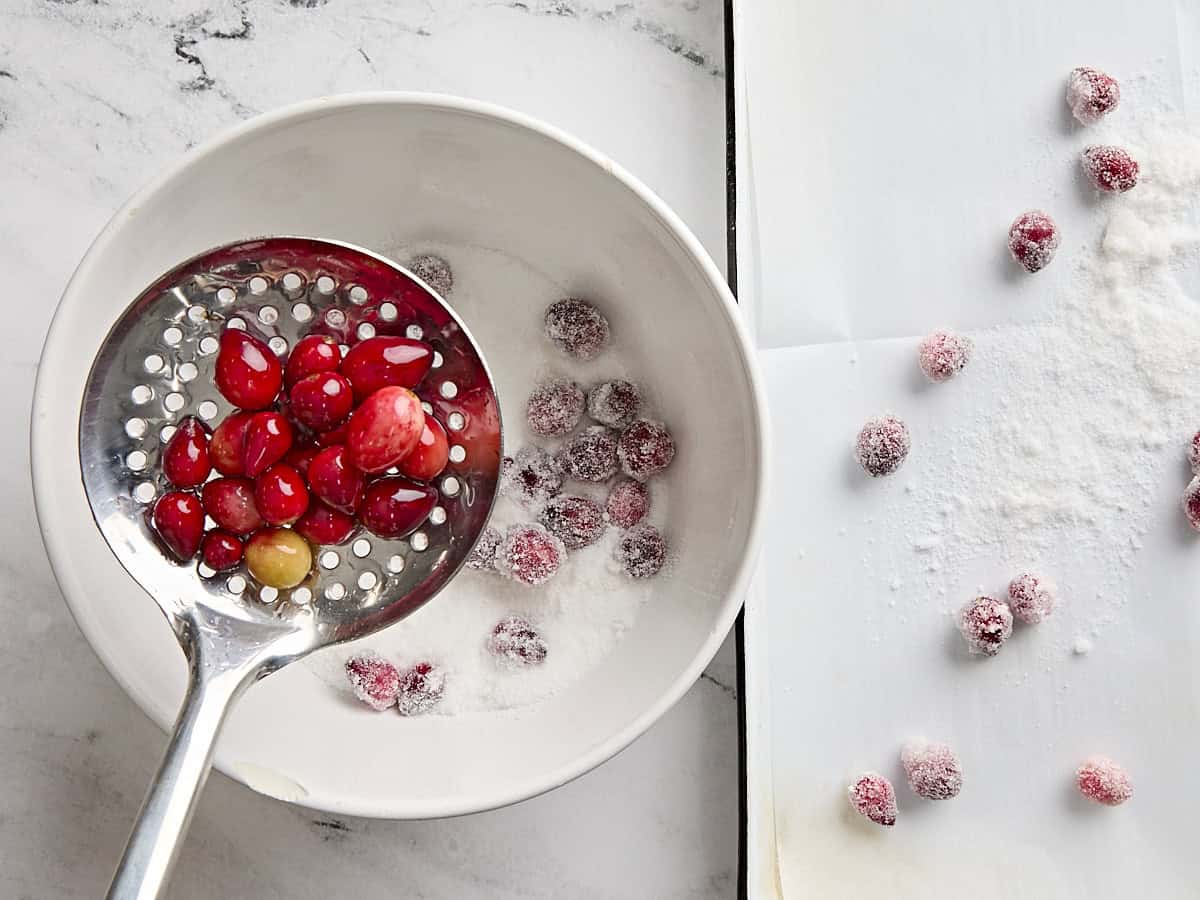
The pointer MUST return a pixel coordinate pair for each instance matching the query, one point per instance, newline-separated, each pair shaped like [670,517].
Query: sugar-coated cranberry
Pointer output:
[627,503]
[576,521]
[386,361]
[429,457]
[248,374]
[933,770]
[434,271]
[1110,169]
[590,455]
[333,480]
[230,502]
[321,401]
[396,507]
[322,524]
[278,557]
[614,403]
[516,642]
[225,446]
[1191,502]
[374,680]
[873,796]
[179,520]
[1102,780]
[577,328]
[385,428]
[1194,453]
[280,495]
[645,448]
[985,623]
[554,408]
[882,445]
[312,354]
[186,461]
[300,456]
[642,551]
[421,688]
[531,477]
[1033,240]
[1091,94]
[530,554]
[267,440]
[943,354]
[482,557]
[1031,598]
[220,550]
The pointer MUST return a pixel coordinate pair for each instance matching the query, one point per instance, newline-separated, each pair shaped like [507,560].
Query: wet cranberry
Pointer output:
[627,504]
[943,354]
[333,480]
[645,448]
[179,520]
[225,447]
[576,521]
[278,557]
[576,328]
[873,796]
[421,687]
[933,770]
[396,507]
[299,458]
[429,457]
[1091,94]
[1102,780]
[322,401]
[1033,240]
[280,495]
[312,354]
[434,271]
[322,524]
[334,436]
[384,429]
[530,554]
[514,641]
[985,624]
[642,551]
[230,502]
[882,446]
[186,461]
[614,403]
[531,477]
[1030,598]
[267,441]
[554,408]
[384,361]
[483,555]
[374,680]
[220,550]
[1110,169]
[247,373]
[590,455]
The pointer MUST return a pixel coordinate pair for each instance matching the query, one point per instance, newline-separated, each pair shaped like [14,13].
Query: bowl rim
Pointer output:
[57,540]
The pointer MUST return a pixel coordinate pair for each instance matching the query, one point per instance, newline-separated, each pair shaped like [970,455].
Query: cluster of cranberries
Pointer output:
[318,445]
[986,623]
[381,685]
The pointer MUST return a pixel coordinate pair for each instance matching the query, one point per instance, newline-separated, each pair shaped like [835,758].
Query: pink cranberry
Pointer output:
[943,355]
[248,374]
[882,445]
[230,502]
[179,520]
[1030,598]
[312,354]
[267,440]
[321,401]
[554,408]
[483,556]
[576,328]
[645,448]
[576,521]
[375,681]
[933,770]
[431,454]
[530,554]
[1194,453]
[531,477]
[590,455]
[642,551]
[515,642]
[396,507]
[986,624]
[386,361]
[280,495]
[225,447]
[322,524]
[614,403]
[1033,239]
[384,429]
[873,796]
[220,550]
[627,504]
[1091,94]
[434,271]
[333,480]
[1102,780]
[1191,503]
[185,460]
[1110,169]
[421,688]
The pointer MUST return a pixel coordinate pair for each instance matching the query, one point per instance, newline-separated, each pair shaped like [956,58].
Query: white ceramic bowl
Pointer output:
[385,171]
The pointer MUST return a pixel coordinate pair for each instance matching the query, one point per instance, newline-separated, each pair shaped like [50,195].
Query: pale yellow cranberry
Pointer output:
[278,557]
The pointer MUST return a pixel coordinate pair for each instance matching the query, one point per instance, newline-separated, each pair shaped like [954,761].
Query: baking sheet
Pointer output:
[882,151]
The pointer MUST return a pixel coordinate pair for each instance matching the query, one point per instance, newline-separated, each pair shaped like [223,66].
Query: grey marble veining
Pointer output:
[97,96]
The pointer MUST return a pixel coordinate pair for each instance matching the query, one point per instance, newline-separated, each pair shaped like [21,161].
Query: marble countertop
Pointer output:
[95,96]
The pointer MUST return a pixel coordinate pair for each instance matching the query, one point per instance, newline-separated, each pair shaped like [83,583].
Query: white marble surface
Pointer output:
[96,96]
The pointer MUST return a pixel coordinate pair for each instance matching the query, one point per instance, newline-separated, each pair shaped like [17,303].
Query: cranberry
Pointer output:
[278,557]
[322,524]
[1110,169]
[1102,780]
[179,520]
[614,403]
[576,521]
[230,502]
[576,328]
[933,770]
[642,551]
[590,455]
[374,680]
[943,354]
[644,449]
[434,271]
[333,480]
[220,550]
[515,642]
[531,477]
[300,457]
[530,554]
[227,442]
[247,373]
[384,429]
[986,624]
[334,436]
[483,556]
[312,354]
[386,361]
[1033,239]
[554,408]
[873,796]
[322,401]
[1030,598]
[1194,453]
[1191,503]
[280,495]
[185,460]
[1091,94]
[395,507]
[882,446]
[627,504]
[421,687]
[431,454]
[267,441]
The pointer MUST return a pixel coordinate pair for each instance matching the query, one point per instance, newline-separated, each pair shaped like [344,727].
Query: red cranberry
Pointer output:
[515,642]
[220,550]
[230,502]
[986,624]
[1033,239]
[1110,169]
[645,448]
[576,328]
[1030,598]
[386,361]
[185,459]
[247,373]
[179,520]
[1191,503]
[933,770]
[1091,94]
[1102,780]
[321,401]
[227,442]
[882,446]
[268,439]
[1194,453]
[334,480]
[384,429]
[280,495]
[334,436]
[299,458]
[421,688]
[873,796]
[627,504]
[431,454]
[322,524]
[642,551]
[482,557]
[531,477]
[554,408]
[312,354]
[395,507]
[943,354]
[576,521]
[434,271]
[530,554]
[614,403]
[375,681]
